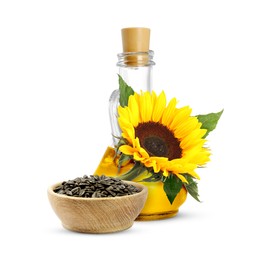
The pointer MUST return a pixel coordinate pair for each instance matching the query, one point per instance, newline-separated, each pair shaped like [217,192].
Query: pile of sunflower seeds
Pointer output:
[96,187]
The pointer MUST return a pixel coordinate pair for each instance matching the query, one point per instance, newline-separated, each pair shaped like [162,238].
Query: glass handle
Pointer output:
[113,114]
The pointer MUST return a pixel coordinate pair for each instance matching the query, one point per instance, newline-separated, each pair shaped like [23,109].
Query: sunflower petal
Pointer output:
[153,99]
[127,128]
[123,113]
[180,115]
[133,110]
[138,156]
[181,177]
[168,113]
[193,139]
[194,174]
[146,107]
[126,149]
[159,107]
[186,127]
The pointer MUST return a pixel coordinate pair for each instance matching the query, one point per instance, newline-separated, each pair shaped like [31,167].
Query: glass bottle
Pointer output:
[135,67]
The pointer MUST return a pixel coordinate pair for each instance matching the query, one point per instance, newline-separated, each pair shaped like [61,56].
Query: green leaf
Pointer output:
[155,177]
[192,187]
[125,92]
[133,172]
[209,121]
[172,186]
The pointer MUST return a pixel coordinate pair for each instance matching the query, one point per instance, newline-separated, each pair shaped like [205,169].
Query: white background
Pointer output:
[57,70]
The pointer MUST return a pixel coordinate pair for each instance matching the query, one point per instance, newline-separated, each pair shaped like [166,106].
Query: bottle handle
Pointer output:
[113,115]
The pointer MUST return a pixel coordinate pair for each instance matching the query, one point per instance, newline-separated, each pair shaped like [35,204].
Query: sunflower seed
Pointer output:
[82,184]
[82,193]
[75,190]
[68,192]
[95,187]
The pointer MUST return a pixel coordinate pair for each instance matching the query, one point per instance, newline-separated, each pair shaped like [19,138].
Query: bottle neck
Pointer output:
[136,69]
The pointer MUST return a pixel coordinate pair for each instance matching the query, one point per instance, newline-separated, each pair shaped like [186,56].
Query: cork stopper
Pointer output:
[136,39]
[136,42]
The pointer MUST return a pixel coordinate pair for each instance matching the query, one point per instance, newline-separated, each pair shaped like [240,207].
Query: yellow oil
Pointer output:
[157,205]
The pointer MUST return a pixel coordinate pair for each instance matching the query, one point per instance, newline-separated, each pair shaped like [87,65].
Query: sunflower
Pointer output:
[161,136]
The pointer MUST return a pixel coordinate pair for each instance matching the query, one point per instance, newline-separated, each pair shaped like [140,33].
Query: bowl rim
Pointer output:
[139,185]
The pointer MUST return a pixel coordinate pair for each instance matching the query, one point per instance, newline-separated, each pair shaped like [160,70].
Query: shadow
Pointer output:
[138,227]
[181,216]
[135,229]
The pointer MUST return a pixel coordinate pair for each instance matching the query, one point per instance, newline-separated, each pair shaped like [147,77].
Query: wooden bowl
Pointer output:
[97,215]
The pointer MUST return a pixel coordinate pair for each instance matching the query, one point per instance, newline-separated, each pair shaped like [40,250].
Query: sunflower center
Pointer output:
[158,140]
[155,145]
